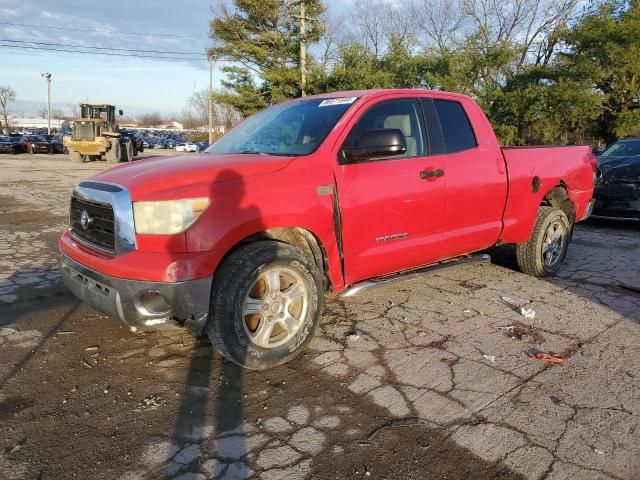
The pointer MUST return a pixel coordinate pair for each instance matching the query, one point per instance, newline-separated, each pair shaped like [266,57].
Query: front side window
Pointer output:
[292,128]
[403,115]
[456,128]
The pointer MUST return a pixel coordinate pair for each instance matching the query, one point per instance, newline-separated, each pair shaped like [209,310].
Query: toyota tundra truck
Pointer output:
[339,193]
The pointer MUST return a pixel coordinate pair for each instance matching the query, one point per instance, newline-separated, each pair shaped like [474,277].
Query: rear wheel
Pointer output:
[76,157]
[545,251]
[127,151]
[266,304]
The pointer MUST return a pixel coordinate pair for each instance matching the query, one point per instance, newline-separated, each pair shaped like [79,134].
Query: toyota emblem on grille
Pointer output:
[85,219]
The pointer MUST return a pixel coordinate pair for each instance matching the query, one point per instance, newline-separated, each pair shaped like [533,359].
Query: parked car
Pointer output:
[202,146]
[186,147]
[343,192]
[35,144]
[617,189]
[57,146]
[11,144]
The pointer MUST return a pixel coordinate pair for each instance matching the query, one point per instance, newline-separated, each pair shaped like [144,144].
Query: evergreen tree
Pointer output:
[261,41]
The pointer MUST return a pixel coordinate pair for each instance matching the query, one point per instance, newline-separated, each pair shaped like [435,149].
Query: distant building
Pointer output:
[35,123]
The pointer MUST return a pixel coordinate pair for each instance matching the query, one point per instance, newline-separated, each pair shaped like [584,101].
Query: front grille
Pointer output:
[83,131]
[100,231]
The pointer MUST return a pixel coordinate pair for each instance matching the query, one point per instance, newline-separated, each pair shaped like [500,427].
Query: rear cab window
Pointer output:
[457,132]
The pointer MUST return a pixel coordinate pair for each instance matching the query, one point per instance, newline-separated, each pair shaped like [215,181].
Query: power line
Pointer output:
[48,44]
[96,30]
[46,49]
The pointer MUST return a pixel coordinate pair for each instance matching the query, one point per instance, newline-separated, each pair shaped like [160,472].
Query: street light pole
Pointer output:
[210,103]
[47,76]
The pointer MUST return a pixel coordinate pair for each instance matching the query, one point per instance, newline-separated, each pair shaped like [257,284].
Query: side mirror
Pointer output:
[377,143]
[120,112]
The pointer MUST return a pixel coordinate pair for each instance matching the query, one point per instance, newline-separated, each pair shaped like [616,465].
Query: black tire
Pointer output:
[227,327]
[127,151]
[114,154]
[76,157]
[530,256]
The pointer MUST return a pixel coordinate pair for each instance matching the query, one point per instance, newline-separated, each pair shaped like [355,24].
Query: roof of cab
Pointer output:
[383,91]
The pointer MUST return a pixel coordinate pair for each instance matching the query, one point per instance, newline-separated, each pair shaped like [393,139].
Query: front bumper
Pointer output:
[140,303]
[617,209]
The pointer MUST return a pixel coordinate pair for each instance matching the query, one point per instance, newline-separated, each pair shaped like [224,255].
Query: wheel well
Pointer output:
[302,239]
[559,197]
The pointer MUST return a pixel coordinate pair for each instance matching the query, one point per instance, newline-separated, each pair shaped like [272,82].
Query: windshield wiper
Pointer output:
[255,152]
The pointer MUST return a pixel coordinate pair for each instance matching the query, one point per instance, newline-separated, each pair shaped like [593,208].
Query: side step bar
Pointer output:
[411,274]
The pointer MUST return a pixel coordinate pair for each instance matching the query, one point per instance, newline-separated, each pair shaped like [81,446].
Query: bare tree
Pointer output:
[438,22]
[150,119]
[57,114]
[528,24]
[7,95]
[196,112]
[375,22]
[42,113]
[75,111]
[334,35]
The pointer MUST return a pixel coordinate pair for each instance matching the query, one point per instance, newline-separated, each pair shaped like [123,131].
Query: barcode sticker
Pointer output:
[337,101]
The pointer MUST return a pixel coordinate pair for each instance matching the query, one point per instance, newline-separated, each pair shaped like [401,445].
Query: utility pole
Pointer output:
[303,50]
[303,42]
[47,76]
[210,102]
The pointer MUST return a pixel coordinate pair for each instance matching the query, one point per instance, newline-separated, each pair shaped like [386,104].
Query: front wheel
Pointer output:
[266,303]
[76,157]
[114,154]
[545,251]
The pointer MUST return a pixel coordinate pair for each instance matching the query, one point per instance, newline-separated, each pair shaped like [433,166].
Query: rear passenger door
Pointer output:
[476,182]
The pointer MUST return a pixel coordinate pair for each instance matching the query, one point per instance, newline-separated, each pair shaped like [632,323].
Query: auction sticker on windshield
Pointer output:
[337,101]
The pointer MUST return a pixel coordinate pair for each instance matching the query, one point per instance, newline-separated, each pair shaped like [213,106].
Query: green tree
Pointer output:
[261,40]
[540,106]
[358,67]
[603,48]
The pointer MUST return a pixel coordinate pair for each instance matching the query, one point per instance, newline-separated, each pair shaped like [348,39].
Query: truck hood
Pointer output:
[154,176]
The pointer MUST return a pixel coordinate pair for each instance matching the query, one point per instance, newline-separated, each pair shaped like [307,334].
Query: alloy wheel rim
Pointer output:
[275,307]
[553,243]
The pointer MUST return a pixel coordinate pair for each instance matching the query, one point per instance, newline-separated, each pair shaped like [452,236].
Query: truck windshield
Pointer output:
[292,128]
[624,148]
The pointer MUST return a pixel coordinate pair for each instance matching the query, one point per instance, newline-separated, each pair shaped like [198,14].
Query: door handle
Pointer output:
[431,173]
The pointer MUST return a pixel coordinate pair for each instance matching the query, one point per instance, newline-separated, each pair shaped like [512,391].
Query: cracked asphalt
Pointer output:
[429,378]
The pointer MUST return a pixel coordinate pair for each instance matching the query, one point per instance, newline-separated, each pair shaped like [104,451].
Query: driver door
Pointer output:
[392,209]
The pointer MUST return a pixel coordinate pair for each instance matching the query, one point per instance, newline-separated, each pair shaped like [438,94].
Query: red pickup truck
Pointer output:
[337,192]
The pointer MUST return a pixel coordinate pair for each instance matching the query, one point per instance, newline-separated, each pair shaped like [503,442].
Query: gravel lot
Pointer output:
[425,379]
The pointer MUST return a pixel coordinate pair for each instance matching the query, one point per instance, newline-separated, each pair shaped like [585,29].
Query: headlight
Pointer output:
[168,217]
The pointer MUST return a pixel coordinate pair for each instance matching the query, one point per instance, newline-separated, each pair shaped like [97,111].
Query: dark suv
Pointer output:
[36,144]
[11,145]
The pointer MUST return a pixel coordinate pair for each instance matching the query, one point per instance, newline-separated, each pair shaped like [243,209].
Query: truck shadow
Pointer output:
[191,431]
[598,268]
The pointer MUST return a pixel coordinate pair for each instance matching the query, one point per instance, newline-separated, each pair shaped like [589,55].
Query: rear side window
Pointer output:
[456,128]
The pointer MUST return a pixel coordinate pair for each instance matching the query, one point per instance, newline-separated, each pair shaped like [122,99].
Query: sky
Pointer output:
[135,84]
